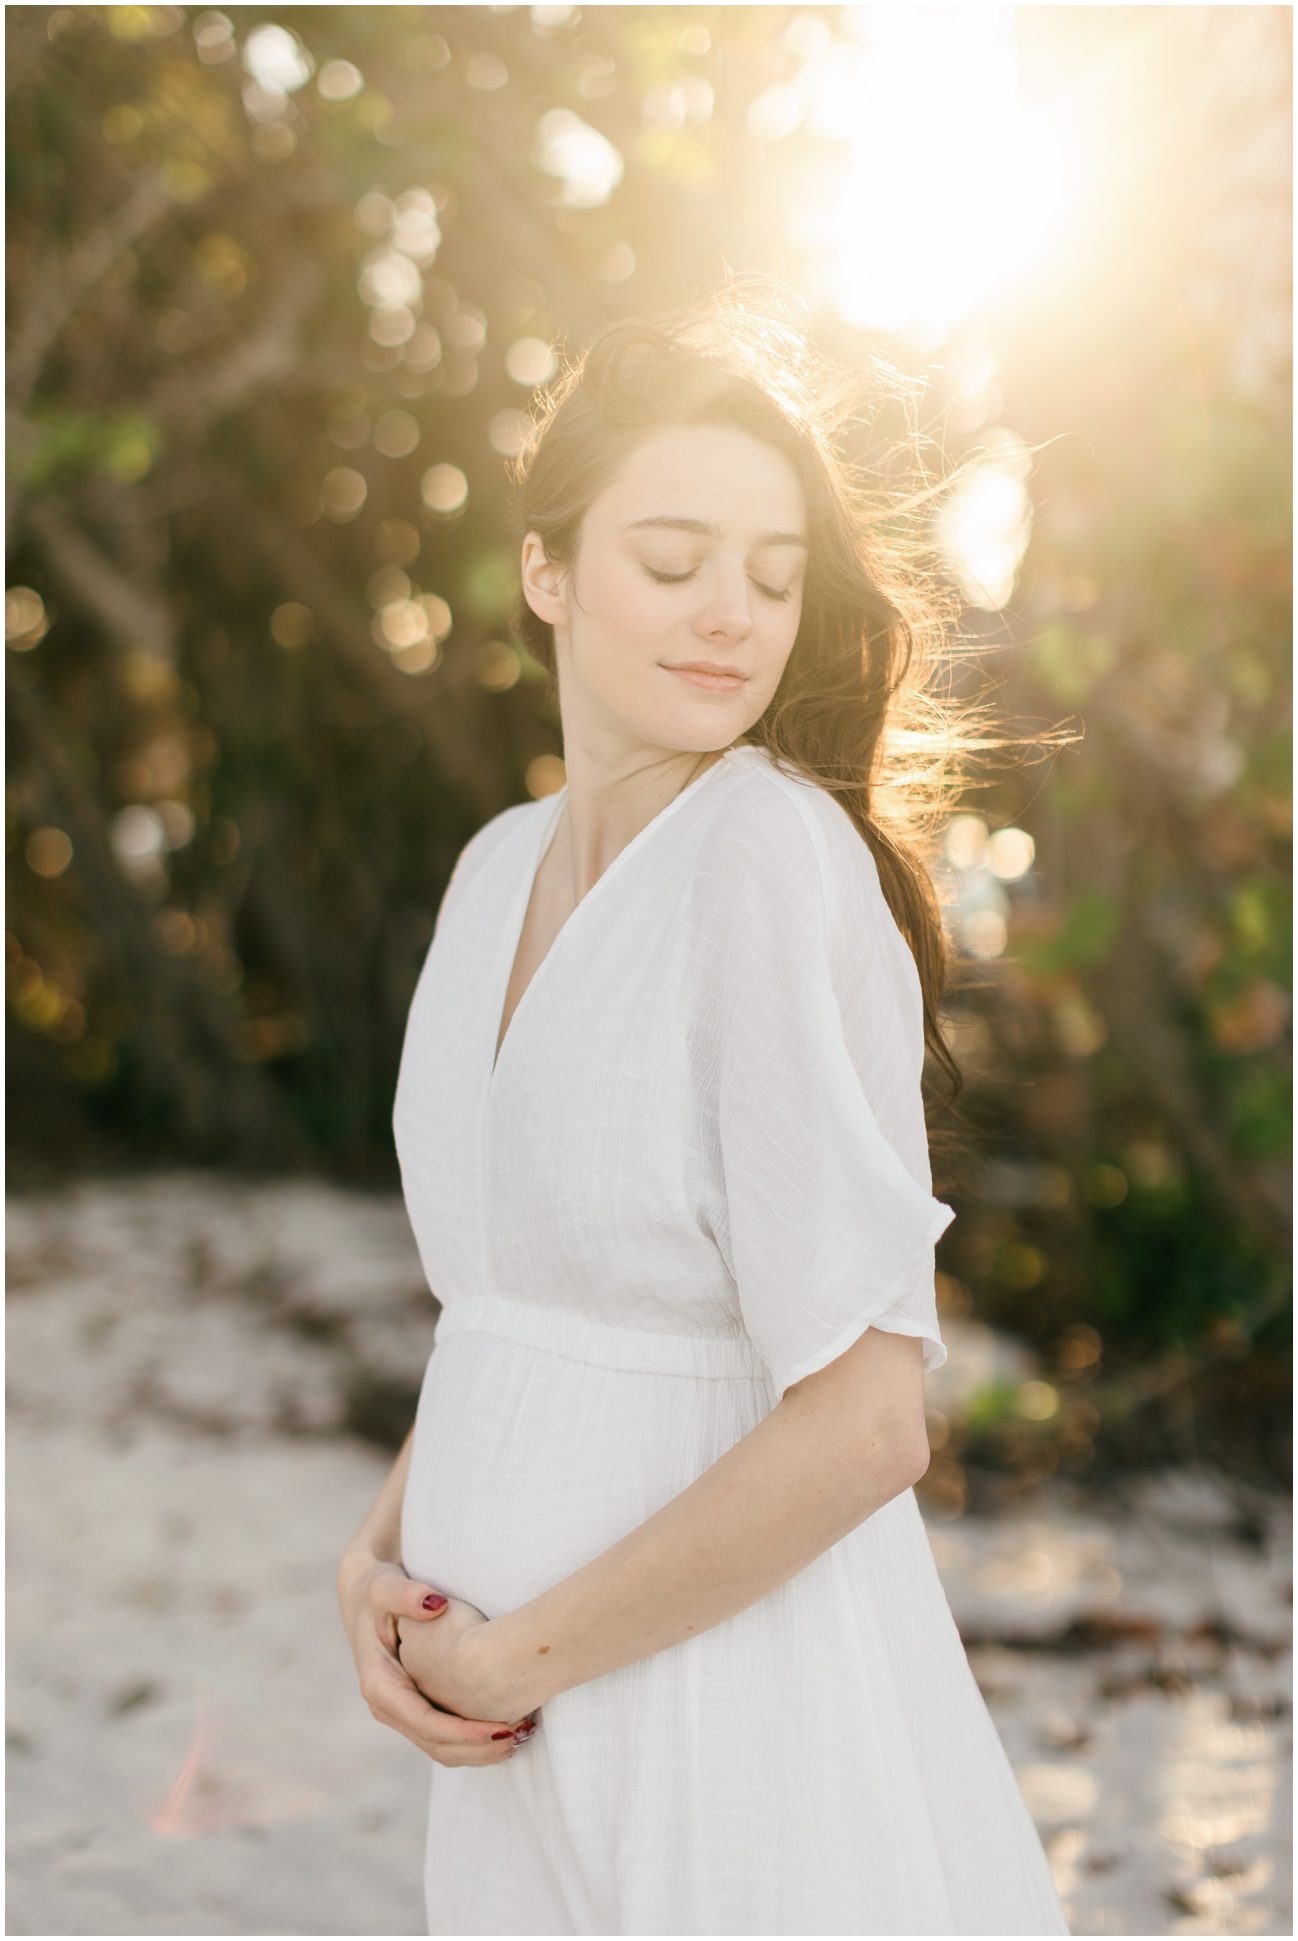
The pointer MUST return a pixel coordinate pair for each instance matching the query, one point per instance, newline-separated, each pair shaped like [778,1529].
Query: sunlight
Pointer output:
[937,212]
[984,529]
[586,162]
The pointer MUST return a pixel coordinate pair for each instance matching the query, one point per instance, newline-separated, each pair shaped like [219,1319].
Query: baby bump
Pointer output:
[526,1464]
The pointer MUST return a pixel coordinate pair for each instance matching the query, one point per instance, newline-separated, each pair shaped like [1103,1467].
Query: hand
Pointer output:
[450,1661]
[373,1592]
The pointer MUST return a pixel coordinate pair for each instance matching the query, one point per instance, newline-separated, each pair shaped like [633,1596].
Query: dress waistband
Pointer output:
[602,1344]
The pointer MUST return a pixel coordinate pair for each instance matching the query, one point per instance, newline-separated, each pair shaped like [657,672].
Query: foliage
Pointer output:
[281,283]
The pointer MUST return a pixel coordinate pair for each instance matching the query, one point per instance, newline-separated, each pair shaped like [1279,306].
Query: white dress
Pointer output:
[697,1171]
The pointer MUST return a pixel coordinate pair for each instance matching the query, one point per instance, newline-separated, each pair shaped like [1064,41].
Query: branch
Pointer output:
[134,618]
[192,398]
[62,287]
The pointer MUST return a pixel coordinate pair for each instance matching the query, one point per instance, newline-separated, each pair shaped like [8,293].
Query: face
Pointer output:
[694,554]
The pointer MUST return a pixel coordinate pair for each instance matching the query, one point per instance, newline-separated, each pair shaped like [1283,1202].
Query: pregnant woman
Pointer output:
[663,1148]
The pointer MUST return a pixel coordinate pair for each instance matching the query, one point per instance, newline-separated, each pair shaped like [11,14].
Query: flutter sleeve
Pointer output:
[829,1222]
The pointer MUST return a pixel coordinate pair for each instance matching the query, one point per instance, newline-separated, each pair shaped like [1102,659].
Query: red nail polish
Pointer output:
[502,1735]
[435,1603]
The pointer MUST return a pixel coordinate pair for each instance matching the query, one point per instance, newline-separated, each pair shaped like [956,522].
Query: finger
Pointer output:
[449,1751]
[397,1595]
[407,1714]
[396,1700]
[497,1725]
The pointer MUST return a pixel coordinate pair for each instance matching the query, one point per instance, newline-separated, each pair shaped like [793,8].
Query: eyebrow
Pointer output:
[714,532]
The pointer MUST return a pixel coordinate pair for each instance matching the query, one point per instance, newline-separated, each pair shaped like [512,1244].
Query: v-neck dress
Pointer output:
[696,1172]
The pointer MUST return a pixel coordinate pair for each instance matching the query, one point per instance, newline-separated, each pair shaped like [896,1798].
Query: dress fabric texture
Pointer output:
[696,1172]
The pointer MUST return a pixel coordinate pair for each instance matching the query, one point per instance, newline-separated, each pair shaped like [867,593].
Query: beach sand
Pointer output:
[197,1370]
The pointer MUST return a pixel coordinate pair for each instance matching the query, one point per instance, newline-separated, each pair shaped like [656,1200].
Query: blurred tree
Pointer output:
[278,294]
[281,282]
[1131,1058]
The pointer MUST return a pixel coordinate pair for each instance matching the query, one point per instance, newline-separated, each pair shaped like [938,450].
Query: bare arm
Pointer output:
[379,1537]
[840,1444]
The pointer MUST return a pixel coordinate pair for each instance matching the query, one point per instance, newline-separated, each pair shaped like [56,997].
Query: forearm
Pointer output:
[380,1533]
[766,1509]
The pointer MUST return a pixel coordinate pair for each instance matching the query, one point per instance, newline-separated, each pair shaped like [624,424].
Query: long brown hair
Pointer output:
[855,710]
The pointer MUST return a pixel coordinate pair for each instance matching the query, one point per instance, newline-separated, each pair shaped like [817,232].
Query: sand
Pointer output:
[196,1368]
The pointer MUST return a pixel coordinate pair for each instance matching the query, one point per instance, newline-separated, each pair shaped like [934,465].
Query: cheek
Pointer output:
[771,665]
[625,616]
[779,643]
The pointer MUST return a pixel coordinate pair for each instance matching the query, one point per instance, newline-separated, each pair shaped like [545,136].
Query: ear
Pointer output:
[543,582]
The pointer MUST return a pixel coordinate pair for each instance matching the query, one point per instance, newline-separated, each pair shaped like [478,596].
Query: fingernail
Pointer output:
[506,1734]
[434,1603]
[523,1733]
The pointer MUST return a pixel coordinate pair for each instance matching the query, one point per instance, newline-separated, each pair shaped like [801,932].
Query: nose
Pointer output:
[727,606]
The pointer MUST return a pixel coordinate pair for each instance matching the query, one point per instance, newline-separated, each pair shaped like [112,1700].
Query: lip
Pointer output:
[707,674]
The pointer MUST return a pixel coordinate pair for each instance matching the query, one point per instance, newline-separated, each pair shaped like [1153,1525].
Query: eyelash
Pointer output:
[675,579]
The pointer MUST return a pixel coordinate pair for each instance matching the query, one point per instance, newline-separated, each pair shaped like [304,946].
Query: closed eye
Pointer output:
[675,579]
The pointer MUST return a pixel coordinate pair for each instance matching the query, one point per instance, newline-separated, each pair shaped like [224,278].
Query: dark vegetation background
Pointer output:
[276,305]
